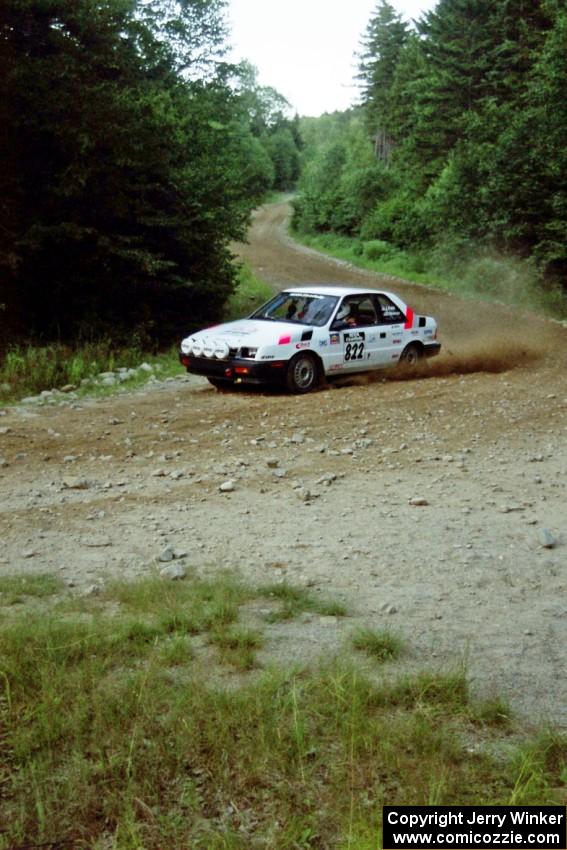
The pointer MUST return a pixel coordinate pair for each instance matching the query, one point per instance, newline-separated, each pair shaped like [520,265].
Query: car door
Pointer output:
[355,342]
[390,328]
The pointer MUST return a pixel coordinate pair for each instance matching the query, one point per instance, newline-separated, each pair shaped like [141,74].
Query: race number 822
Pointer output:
[354,350]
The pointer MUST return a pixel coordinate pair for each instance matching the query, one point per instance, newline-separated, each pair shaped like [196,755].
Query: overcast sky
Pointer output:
[305,48]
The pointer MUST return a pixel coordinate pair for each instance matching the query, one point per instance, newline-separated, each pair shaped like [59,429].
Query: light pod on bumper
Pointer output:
[197,347]
[221,349]
[209,348]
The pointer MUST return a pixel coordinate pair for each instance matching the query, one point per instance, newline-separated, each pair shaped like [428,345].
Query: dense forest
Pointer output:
[459,146]
[132,154]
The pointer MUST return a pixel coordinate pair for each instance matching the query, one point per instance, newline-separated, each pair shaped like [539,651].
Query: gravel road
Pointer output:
[435,506]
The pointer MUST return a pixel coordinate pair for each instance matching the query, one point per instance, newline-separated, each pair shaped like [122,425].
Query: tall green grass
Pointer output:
[29,370]
[120,728]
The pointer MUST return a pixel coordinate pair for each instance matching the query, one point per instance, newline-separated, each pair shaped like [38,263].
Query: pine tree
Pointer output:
[128,176]
[386,35]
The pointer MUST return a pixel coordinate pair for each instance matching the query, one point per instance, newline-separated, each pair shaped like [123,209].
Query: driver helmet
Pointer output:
[344,311]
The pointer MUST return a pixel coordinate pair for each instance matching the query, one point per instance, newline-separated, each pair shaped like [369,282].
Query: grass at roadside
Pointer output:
[16,588]
[27,371]
[30,370]
[469,272]
[120,729]
[293,601]
[379,645]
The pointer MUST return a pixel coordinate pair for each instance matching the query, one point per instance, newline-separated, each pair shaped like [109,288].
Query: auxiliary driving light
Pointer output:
[208,348]
[197,346]
[222,349]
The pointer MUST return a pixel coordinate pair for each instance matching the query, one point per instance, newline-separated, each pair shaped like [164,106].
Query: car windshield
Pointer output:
[299,307]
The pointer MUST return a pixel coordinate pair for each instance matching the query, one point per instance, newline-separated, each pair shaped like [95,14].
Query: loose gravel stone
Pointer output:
[546,538]
[175,572]
[96,542]
[76,484]
[227,486]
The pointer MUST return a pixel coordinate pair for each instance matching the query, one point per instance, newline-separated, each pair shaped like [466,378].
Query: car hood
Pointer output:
[252,332]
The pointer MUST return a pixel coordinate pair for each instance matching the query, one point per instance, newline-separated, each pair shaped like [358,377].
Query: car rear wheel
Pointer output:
[302,374]
[411,355]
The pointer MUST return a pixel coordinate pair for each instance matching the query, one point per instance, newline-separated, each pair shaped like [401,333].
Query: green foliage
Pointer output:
[250,293]
[467,122]
[386,35]
[341,183]
[376,249]
[455,264]
[284,154]
[131,165]
[277,136]
[26,371]
[236,646]
[15,588]
[294,601]
[118,725]
[380,645]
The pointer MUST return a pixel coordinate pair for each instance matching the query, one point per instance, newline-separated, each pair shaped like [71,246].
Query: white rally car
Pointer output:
[308,332]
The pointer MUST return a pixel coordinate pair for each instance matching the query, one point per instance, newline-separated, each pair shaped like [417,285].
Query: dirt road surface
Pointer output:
[94,489]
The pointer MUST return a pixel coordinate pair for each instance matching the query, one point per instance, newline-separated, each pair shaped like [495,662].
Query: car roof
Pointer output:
[337,290]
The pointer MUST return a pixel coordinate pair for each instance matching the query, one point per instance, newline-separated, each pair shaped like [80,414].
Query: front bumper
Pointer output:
[236,370]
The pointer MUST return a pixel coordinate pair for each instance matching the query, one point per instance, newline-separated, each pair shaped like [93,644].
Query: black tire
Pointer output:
[411,355]
[220,383]
[303,373]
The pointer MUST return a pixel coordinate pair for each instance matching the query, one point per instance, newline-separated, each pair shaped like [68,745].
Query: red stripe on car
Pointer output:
[409,319]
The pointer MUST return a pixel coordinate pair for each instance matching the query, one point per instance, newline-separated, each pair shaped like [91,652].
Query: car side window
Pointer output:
[356,311]
[390,313]
[365,312]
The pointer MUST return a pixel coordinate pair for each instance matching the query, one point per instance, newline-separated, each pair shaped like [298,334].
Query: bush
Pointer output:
[376,249]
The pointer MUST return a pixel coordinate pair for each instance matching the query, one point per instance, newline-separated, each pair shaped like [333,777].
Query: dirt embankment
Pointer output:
[95,489]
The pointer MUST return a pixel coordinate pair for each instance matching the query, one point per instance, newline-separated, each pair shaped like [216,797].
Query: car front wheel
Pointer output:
[302,373]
